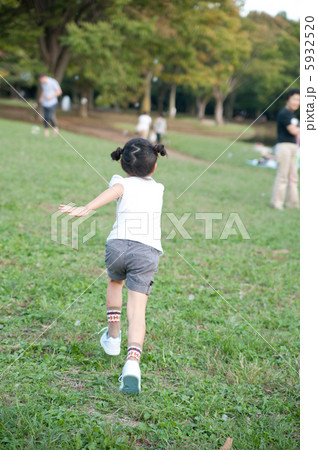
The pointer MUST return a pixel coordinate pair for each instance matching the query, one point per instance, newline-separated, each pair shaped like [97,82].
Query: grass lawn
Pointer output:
[210,149]
[265,133]
[205,125]
[221,351]
[16,102]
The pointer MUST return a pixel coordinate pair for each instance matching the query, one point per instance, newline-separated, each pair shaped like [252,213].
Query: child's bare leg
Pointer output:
[114,301]
[136,313]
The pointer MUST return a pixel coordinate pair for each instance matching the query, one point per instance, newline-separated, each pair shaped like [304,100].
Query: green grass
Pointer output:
[16,102]
[204,147]
[180,129]
[206,372]
[226,128]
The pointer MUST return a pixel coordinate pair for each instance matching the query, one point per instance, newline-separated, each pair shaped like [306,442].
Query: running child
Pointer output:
[133,248]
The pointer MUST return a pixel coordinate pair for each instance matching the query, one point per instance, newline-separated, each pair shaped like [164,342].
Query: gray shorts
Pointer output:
[132,261]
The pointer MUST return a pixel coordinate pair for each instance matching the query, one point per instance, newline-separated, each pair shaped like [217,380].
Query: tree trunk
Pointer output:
[161,97]
[218,111]
[90,98]
[38,93]
[54,56]
[172,101]
[61,64]
[146,102]
[229,106]
[51,18]
[192,109]
[201,106]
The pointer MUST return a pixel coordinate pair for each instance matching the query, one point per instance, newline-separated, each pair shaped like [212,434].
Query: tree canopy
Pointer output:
[118,47]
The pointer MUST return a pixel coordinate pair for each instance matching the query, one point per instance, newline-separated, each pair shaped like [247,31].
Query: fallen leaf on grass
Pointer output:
[227,445]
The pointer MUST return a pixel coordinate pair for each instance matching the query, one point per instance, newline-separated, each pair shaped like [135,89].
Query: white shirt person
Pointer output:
[143,126]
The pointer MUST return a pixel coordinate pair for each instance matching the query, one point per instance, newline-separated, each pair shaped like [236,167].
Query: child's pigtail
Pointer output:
[116,154]
[160,149]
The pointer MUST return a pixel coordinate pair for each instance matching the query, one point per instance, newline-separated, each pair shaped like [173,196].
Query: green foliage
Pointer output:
[19,64]
[117,47]
[111,55]
[221,48]
[206,374]
[274,62]
[46,23]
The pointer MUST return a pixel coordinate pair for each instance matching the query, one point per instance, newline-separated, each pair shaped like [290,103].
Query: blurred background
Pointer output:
[218,62]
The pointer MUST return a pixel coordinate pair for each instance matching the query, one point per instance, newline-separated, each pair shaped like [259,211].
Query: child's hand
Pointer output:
[79,211]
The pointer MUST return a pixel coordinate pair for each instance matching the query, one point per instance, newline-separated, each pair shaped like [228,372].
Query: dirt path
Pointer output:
[111,134]
[93,126]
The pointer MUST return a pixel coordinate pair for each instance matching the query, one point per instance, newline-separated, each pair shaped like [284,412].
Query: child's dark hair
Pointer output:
[292,92]
[139,156]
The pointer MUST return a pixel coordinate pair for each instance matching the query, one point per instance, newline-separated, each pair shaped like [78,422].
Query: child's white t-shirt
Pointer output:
[138,215]
[144,122]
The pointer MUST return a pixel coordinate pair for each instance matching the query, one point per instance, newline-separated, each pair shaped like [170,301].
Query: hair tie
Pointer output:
[160,149]
[117,154]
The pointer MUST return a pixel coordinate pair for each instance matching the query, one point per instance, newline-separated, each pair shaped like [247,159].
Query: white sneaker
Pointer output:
[110,345]
[130,379]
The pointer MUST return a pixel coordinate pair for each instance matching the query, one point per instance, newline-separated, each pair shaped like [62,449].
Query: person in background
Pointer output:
[286,154]
[143,126]
[160,127]
[51,90]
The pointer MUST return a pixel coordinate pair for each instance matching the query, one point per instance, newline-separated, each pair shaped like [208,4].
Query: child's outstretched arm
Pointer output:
[105,197]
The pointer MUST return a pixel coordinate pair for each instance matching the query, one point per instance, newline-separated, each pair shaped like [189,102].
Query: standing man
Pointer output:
[50,91]
[286,154]
[160,127]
